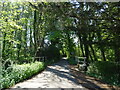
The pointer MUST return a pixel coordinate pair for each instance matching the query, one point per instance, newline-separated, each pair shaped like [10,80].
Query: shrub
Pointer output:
[105,70]
[19,73]
[72,61]
[52,53]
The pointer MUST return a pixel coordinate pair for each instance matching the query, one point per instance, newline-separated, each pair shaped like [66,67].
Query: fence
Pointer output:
[41,59]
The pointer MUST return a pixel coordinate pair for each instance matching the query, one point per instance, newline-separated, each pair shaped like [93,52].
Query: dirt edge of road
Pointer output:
[90,82]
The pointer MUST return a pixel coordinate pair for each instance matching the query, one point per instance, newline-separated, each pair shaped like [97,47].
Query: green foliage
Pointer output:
[81,58]
[72,61]
[52,53]
[105,70]
[24,27]
[7,63]
[20,73]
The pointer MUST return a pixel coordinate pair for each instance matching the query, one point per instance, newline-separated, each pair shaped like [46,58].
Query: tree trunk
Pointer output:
[93,52]
[34,33]
[4,43]
[31,43]
[91,56]
[86,47]
[101,46]
[81,45]
[103,53]
[117,48]
[1,42]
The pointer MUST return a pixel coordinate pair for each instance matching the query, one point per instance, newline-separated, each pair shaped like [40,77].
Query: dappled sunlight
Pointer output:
[55,76]
[67,43]
[91,82]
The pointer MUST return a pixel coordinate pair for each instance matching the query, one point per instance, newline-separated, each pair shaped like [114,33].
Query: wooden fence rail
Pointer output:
[41,59]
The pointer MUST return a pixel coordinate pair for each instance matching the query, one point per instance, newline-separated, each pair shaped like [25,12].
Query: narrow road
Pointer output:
[57,75]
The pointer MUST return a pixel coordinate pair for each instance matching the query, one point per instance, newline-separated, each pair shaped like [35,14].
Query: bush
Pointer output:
[52,53]
[105,70]
[20,73]
[72,61]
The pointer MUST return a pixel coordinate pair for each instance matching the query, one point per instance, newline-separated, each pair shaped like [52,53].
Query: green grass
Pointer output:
[20,73]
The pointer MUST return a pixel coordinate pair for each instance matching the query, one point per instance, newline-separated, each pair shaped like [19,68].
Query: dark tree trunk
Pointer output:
[93,52]
[81,45]
[34,33]
[4,42]
[86,48]
[103,53]
[31,43]
[117,48]
[91,56]
[117,54]
[86,52]
[101,46]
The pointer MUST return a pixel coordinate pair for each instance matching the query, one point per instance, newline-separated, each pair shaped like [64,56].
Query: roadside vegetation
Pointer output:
[105,71]
[36,34]
[16,73]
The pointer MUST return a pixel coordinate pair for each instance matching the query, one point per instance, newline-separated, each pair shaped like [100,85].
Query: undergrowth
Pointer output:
[106,71]
[19,73]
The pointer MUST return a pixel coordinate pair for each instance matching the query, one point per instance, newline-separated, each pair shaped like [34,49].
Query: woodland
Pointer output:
[36,34]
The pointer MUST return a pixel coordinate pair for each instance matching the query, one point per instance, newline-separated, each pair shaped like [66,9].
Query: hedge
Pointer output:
[20,73]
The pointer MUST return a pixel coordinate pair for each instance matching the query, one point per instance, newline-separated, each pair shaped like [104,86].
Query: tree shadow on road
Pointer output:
[68,75]
[91,82]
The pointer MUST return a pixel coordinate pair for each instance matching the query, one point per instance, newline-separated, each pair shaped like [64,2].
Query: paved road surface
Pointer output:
[55,76]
